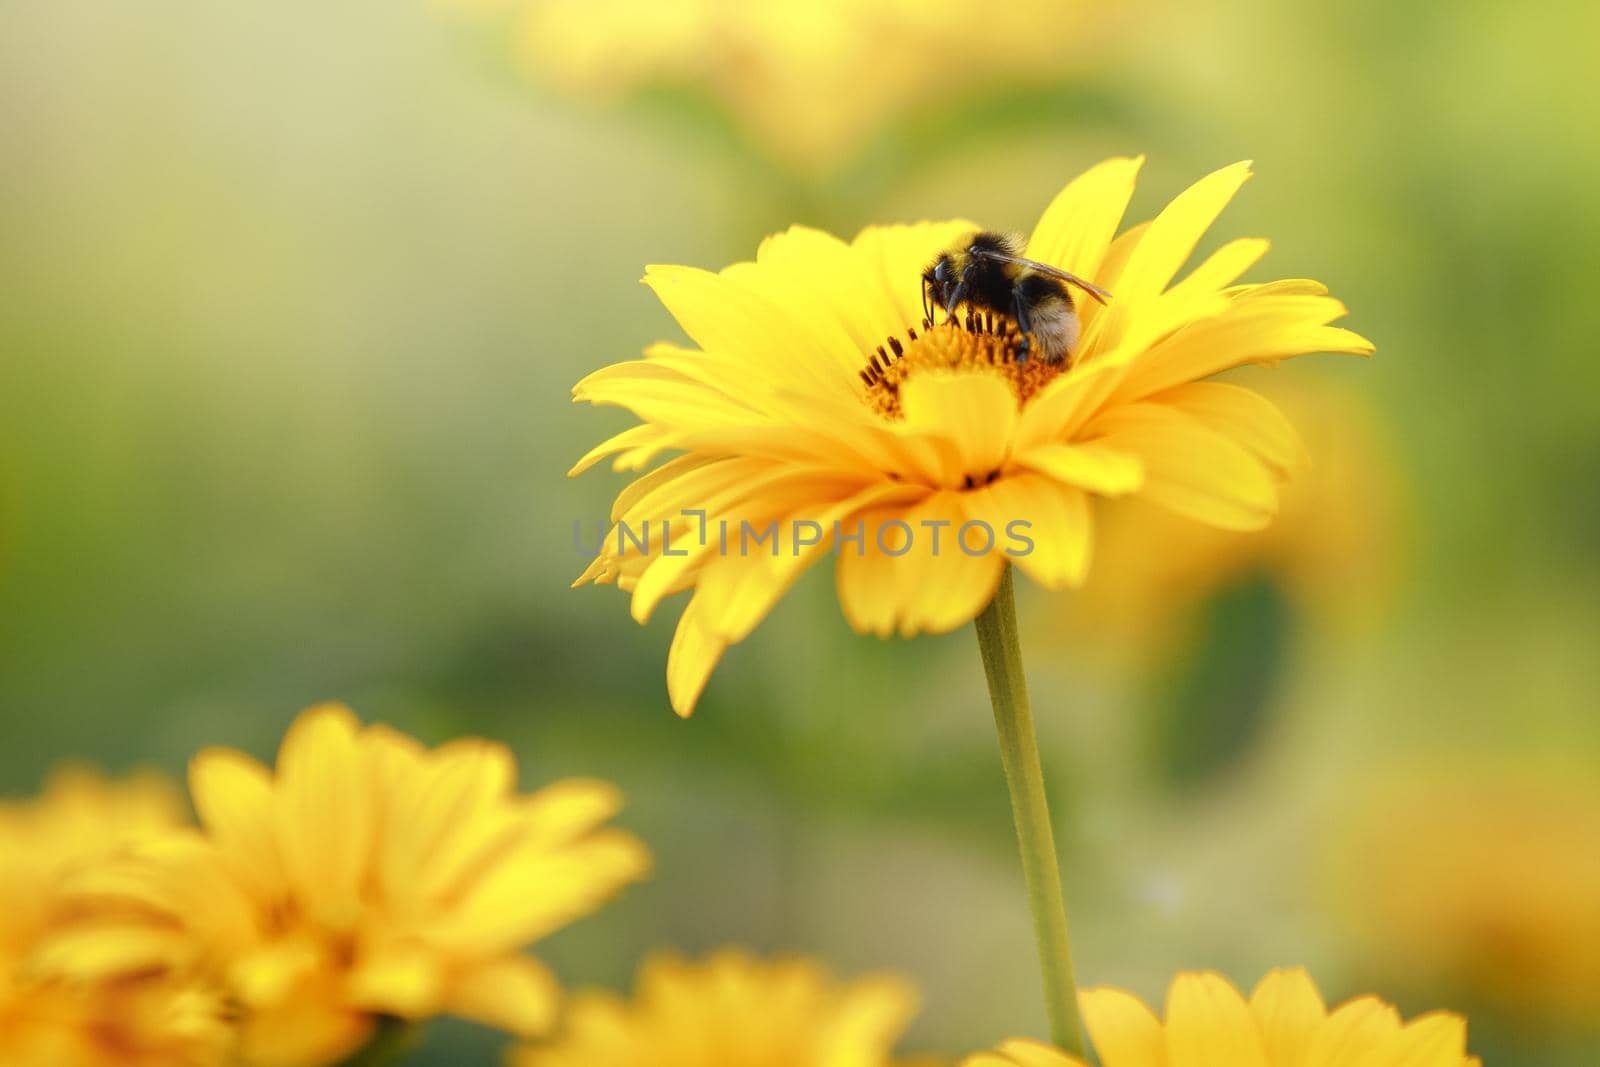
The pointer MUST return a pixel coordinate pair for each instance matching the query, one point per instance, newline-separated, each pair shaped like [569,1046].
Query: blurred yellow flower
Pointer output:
[366,877]
[732,1009]
[1332,549]
[810,81]
[151,1019]
[1488,884]
[1283,1024]
[820,405]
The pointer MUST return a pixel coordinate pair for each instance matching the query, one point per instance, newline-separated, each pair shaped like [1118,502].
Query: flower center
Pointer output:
[982,342]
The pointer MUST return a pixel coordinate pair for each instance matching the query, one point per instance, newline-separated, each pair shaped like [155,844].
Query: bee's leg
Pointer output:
[927,304]
[957,295]
[1019,311]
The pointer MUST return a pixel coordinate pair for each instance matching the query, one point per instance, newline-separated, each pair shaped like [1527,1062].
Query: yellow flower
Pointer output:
[1283,1024]
[732,1009]
[1486,883]
[367,877]
[1332,549]
[819,403]
[153,1019]
[809,80]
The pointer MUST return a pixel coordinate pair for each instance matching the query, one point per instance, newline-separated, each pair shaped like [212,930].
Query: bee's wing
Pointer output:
[1054,272]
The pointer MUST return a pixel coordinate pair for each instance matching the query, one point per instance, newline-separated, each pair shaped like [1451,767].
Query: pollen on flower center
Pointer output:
[981,342]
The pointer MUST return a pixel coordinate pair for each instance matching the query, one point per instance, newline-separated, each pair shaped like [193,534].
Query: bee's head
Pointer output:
[940,278]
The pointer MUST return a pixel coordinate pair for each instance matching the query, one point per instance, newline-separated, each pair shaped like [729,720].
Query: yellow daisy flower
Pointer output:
[151,1019]
[732,1008]
[1283,1024]
[366,877]
[810,81]
[820,410]
[1487,883]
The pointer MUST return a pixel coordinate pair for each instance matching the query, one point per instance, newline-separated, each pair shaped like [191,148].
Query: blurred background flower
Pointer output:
[809,83]
[732,1008]
[1483,883]
[366,880]
[295,295]
[154,1018]
[1284,1023]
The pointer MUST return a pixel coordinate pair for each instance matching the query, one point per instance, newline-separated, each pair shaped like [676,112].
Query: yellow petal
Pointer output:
[1255,330]
[1288,1009]
[1091,313]
[633,437]
[706,486]
[1059,410]
[1041,525]
[1190,468]
[1210,1025]
[646,483]
[951,572]
[311,1028]
[1172,236]
[750,546]
[1116,261]
[867,291]
[865,575]
[805,315]
[974,411]
[324,814]
[527,890]
[730,318]
[1438,1039]
[1023,1052]
[1355,1035]
[1076,229]
[1125,1032]
[566,810]
[1090,466]
[270,975]
[1223,267]
[94,952]
[444,818]
[403,980]
[692,657]
[872,1014]
[890,261]
[739,591]
[927,587]
[1139,314]
[1281,287]
[234,799]
[820,270]
[1244,416]
[517,994]
[664,397]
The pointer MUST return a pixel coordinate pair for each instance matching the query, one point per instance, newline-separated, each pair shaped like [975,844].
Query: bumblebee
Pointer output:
[986,271]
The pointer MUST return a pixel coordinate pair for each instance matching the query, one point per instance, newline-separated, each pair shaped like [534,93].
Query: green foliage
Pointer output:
[1215,699]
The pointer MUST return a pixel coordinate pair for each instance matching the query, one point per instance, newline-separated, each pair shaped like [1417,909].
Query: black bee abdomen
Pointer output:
[1039,290]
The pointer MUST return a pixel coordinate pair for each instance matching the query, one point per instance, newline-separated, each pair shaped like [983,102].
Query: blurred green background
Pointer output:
[294,296]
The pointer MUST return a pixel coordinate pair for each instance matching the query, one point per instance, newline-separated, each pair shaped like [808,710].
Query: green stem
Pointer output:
[391,1042]
[1019,753]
